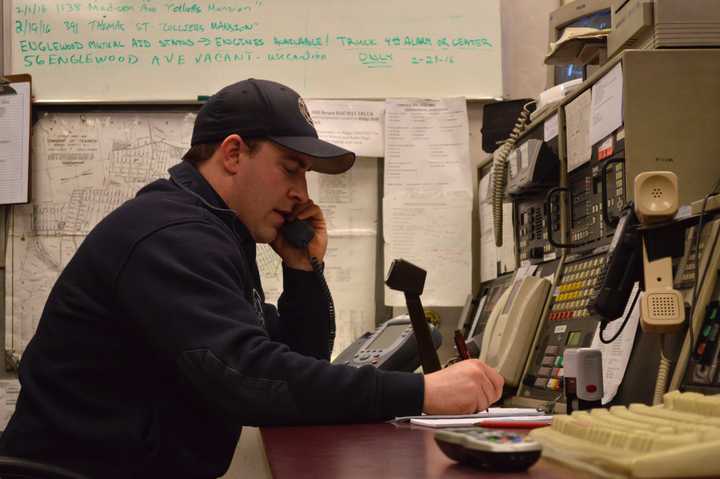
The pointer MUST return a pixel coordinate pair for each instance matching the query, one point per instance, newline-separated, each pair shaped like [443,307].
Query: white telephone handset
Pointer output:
[511,327]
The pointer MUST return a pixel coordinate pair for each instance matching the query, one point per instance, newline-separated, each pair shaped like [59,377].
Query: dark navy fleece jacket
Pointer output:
[151,352]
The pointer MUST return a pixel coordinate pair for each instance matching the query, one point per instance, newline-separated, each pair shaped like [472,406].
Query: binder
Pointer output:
[15,124]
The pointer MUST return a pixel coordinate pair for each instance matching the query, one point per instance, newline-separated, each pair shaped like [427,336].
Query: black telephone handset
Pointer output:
[299,233]
[620,270]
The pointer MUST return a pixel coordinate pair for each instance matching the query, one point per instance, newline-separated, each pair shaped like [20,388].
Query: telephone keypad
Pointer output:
[552,350]
[540,382]
[575,289]
[570,324]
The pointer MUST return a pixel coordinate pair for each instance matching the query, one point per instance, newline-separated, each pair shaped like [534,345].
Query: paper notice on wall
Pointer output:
[551,128]
[350,274]
[484,190]
[9,392]
[606,111]
[15,141]
[434,233]
[349,201]
[427,146]
[577,127]
[615,355]
[494,260]
[355,125]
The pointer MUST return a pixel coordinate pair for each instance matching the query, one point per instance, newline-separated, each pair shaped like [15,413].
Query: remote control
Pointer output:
[489,449]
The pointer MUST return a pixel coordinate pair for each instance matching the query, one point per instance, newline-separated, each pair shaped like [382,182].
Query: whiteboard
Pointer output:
[177,50]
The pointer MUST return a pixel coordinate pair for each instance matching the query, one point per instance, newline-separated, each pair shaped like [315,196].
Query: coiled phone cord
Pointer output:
[318,270]
[662,374]
[500,170]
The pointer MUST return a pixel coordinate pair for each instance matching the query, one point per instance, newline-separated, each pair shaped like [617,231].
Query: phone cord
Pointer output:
[500,171]
[662,375]
[318,269]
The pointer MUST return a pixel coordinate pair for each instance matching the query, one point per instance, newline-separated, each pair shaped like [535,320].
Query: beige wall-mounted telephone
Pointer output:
[511,327]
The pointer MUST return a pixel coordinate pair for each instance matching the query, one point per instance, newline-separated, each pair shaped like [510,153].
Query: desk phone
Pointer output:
[391,346]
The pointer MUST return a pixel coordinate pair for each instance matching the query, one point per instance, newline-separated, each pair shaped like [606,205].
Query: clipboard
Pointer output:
[15,104]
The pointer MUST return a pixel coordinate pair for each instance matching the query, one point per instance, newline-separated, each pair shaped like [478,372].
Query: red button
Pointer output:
[591,388]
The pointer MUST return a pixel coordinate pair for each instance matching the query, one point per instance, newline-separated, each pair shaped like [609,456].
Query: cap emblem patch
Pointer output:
[304,112]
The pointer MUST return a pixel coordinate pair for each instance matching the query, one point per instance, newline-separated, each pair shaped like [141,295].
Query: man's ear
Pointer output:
[233,152]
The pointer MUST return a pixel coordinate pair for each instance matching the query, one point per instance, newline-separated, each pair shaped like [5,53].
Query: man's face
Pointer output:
[270,183]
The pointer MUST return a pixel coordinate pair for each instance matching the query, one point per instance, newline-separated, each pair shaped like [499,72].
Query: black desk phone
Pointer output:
[391,346]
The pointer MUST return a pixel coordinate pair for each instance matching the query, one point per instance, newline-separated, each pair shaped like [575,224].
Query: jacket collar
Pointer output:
[186,175]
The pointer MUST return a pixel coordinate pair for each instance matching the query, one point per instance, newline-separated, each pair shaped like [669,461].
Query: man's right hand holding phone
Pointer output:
[465,387]
[297,258]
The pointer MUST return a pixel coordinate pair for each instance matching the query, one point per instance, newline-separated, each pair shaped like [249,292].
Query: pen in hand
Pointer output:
[460,345]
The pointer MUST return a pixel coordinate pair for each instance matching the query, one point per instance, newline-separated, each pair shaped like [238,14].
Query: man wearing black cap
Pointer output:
[155,346]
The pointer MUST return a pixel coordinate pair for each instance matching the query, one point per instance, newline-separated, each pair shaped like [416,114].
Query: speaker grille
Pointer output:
[663,306]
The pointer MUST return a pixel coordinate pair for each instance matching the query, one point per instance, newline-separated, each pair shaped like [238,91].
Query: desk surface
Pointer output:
[373,451]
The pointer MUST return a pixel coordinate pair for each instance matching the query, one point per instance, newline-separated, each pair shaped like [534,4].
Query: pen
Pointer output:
[512,424]
[460,345]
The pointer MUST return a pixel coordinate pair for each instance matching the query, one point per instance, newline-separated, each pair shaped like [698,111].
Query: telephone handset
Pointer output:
[511,328]
[620,271]
[299,233]
[662,307]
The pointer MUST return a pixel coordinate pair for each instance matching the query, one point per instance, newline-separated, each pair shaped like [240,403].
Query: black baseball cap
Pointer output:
[260,108]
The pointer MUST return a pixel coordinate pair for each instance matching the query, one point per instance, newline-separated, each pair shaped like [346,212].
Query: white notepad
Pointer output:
[431,421]
[491,412]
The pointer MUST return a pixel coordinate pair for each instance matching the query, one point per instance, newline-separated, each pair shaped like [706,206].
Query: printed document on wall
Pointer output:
[427,146]
[349,201]
[350,275]
[9,392]
[427,204]
[615,356]
[494,260]
[15,141]
[577,126]
[349,204]
[354,125]
[606,111]
[434,233]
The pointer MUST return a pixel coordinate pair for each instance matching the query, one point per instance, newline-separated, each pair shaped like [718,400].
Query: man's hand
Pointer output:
[297,258]
[465,387]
